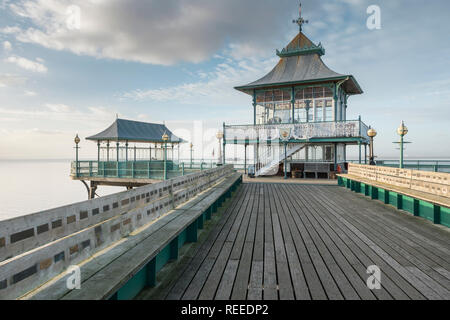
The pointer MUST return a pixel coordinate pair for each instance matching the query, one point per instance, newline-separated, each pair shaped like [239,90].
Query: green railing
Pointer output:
[421,164]
[137,169]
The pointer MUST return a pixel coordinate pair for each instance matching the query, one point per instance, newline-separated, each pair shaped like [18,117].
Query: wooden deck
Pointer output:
[287,241]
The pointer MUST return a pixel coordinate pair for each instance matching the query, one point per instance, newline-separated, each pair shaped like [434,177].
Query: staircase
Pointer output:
[271,168]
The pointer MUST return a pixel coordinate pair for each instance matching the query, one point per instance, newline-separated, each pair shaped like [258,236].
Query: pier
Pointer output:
[234,240]
[296,221]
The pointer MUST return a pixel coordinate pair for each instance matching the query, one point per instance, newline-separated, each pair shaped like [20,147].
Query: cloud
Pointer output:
[29,93]
[7,46]
[27,64]
[154,31]
[11,80]
[216,85]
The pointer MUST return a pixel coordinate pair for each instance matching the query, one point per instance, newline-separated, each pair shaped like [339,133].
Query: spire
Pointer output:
[300,21]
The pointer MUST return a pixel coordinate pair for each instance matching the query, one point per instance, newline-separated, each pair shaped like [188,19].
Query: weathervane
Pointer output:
[300,21]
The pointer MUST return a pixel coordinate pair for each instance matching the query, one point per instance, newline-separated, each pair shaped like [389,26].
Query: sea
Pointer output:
[29,186]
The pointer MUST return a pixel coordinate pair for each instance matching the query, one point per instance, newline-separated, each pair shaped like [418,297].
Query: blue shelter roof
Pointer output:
[135,131]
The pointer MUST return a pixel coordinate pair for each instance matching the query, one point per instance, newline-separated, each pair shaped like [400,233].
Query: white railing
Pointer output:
[299,131]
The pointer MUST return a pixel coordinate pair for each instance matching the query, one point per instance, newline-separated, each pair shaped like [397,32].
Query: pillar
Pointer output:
[293,104]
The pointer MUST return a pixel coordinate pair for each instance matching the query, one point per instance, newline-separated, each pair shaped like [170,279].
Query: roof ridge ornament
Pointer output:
[299,50]
[300,21]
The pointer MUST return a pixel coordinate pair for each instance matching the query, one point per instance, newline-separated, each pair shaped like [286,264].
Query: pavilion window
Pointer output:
[328,93]
[308,93]
[318,92]
[318,110]
[329,110]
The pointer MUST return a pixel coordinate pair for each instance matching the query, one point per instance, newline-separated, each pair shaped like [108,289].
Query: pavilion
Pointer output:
[130,153]
[307,101]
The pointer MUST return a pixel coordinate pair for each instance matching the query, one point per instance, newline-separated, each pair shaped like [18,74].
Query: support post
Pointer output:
[92,190]
[151,273]
[224,144]
[365,153]
[165,160]
[436,214]
[285,160]
[401,152]
[293,104]
[192,232]
[245,157]
[399,201]
[416,207]
[386,196]
[174,249]
[359,146]
[254,107]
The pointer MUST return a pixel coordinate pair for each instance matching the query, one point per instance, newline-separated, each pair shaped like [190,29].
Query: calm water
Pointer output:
[30,186]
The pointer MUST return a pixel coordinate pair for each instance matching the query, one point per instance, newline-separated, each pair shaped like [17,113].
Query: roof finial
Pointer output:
[300,21]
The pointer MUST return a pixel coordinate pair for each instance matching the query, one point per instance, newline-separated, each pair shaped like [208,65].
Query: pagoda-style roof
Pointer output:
[301,63]
[135,131]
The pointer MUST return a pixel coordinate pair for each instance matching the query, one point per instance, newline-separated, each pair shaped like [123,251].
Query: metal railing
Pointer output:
[137,169]
[421,164]
[299,131]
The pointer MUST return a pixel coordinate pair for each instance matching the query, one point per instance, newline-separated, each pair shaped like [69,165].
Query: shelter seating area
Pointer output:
[424,194]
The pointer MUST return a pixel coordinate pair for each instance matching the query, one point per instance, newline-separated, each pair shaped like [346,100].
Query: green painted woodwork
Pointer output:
[200,221]
[420,208]
[408,204]
[133,286]
[182,238]
[445,216]
[151,273]
[380,194]
[285,52]
[174,245]
[192,232]
[146,277]
[163,257]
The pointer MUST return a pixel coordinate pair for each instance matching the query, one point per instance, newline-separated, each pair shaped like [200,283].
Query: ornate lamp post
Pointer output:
[285,135]
[191,146]
[165,138]
[402,131]
[77,141]
[219,136]
[372,133]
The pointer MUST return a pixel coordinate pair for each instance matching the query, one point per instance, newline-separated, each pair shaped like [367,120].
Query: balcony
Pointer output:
[147,170]
[333,131]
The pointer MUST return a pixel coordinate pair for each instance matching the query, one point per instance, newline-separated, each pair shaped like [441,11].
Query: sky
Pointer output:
[72,66]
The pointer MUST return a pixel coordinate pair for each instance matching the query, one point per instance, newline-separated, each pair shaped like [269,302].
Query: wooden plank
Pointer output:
[283,273]
[394,283]
[226,283]
[421,287]
[296,271]
[398,249]
[255,287]
[270,273]
[186,276]
[350,266]
[243,274]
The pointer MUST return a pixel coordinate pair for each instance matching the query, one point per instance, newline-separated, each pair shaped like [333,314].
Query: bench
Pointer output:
[317,168]
[133,266]
[424,194]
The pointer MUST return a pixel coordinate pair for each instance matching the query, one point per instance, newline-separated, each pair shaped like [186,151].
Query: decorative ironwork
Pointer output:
[299,131]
